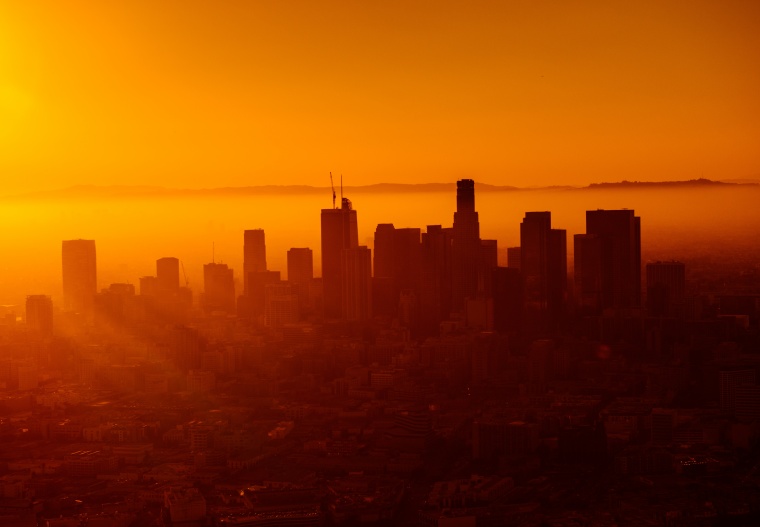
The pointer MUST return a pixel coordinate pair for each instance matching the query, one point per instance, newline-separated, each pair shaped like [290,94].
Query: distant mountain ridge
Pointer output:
[137,191]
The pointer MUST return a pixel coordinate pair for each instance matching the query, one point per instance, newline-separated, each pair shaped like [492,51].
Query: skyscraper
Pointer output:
[218,288]
[254,254]
[339,231]
[80,281]
[543,255]
[466,247]
[167,275]
[666,285]
[613,249]
[301,275]
[435,291]
[39,314]
[384,285]
[300,265]
[357,283]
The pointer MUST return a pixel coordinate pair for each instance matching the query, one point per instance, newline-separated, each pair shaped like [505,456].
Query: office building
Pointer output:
[218,288]
[666,288]
[543,253]
[167,275]
[254,254]
[609,260]
[466,246]
[280,305]
[339,232]
[301,276]
[39,314]
[514,257]
[508,300]
[300,265]
[357,283]
[80,281]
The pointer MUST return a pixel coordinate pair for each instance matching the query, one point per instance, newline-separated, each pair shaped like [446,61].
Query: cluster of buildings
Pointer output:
[418,383]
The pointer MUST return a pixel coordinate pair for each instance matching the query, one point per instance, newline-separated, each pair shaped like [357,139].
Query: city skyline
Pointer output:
[371,264]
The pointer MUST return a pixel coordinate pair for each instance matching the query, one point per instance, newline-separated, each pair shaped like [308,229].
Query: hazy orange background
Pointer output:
[202,94]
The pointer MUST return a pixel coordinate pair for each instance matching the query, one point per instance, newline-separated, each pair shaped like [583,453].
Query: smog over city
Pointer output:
[375,264]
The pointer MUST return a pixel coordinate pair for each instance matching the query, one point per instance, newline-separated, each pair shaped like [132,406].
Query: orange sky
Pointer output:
[205,94]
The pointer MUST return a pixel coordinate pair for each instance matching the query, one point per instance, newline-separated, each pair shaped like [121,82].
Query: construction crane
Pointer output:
[333,188]
[187,282]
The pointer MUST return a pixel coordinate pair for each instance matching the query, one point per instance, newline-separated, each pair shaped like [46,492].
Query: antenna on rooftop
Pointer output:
[333,189]
[341,190]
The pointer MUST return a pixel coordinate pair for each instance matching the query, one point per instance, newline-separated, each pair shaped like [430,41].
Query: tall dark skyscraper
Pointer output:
[466,246]
[435,293]
[384,285]
[543,255]
[339,232]
[608,261]
[80,281]
[356,273]
[254,254]
[301,276]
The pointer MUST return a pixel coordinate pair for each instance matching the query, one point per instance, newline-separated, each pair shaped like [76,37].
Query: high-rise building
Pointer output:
[301,276]
[588,272]
[543,253]
[466,247]
[39,314]
[80,282]
[254,254]
[218,288]
[167,275]
[339,232]
[280,305]
[508,301]
[489,260]
[385,291]
[612,249]
[666,288]
[255,300]
[514,257]
[435,290]
[357,283]
[300,265]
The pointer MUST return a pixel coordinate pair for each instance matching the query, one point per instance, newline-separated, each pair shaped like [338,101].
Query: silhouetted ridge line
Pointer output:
[128,191]
[659,184]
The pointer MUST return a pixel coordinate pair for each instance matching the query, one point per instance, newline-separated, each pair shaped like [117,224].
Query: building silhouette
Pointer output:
[280,305]
[384,285]
[543,265]
[218,288]
[80,282]
[39,314]
[508,300]
[300,265]
[466,247]
[666,288]
[254,254]
[514,257]
[608,261]
[338,232]
[356,274]
[435,286]
[167,275]
[301,276]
